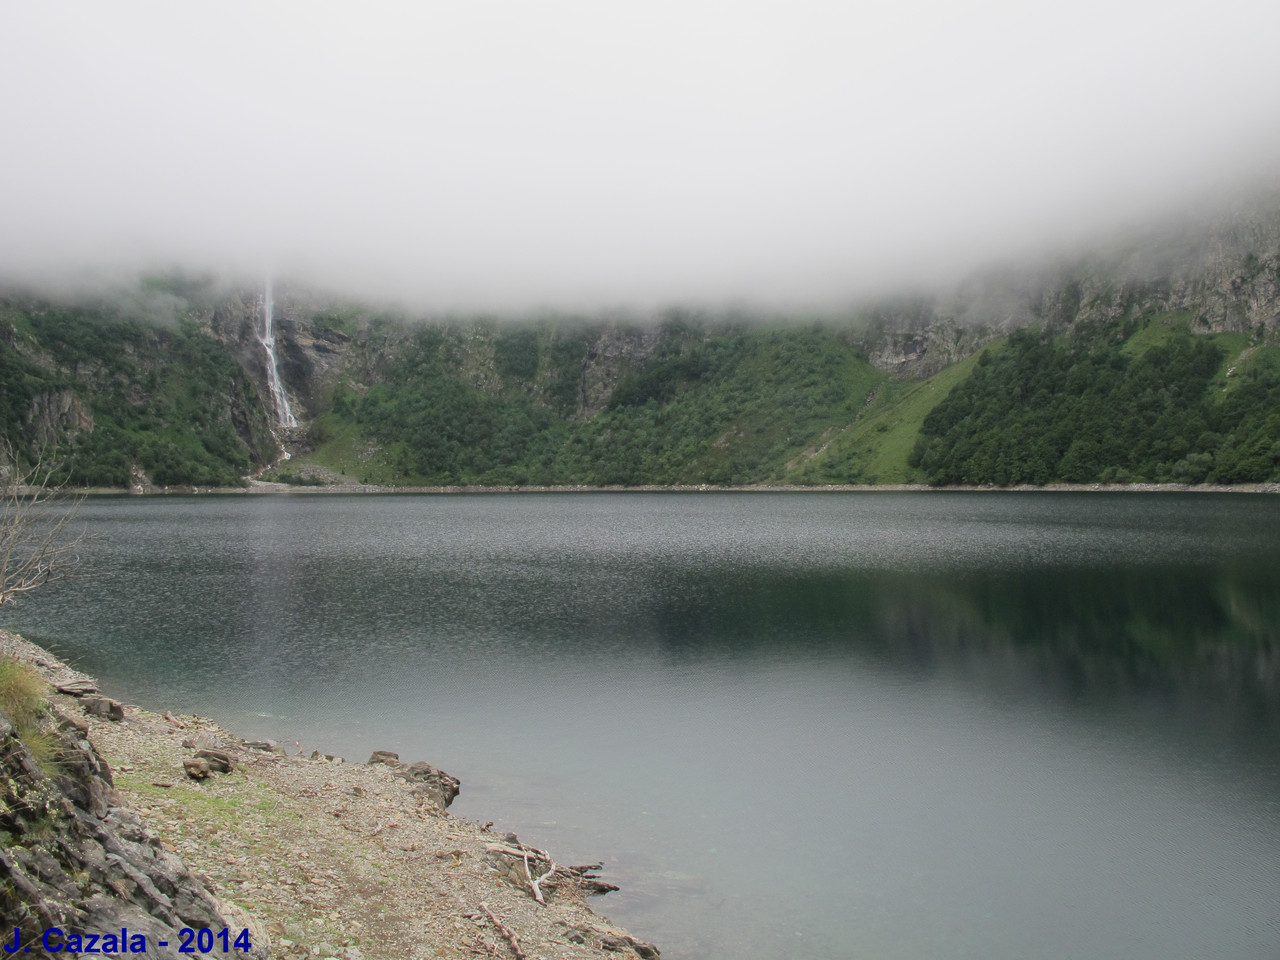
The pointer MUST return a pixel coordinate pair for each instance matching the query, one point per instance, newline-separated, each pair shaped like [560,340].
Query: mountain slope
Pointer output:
[1153,360]
[1054,407]
[684,402]
[118,397]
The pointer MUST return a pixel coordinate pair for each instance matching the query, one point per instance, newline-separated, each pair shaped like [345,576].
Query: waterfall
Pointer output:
[268,339]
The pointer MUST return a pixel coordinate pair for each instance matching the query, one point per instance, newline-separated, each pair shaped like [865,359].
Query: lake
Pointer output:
[810,725]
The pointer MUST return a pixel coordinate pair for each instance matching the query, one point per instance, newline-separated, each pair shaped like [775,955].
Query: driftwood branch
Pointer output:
[528,872]
[537,883]
[580,876]
[508,934]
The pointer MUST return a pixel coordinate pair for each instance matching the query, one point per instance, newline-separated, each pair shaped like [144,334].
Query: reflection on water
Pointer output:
[1076,633]
[805,725]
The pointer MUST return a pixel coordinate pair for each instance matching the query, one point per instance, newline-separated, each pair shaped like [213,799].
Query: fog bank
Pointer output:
[497,155]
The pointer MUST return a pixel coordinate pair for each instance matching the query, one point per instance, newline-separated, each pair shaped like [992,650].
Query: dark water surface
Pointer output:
[817,725]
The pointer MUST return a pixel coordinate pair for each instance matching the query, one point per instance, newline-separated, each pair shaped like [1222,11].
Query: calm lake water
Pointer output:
[854,725]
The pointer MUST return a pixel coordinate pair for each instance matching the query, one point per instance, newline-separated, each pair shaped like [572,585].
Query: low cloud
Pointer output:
[500,155]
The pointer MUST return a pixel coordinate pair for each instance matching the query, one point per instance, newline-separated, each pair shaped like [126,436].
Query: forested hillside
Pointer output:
[164,402]
[694,405]
[1116,405]
[112,396]
[1155,362]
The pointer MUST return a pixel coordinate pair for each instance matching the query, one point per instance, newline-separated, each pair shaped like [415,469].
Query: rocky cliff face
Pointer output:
[57,413]
[1223,272]
[122,386]
[611,354]
[314,355]
[310,356]
[1226,277]
[73,858]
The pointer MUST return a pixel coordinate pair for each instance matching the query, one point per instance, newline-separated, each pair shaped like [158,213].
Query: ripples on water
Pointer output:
[809,725]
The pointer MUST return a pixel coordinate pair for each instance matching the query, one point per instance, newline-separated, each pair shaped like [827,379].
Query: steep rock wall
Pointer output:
[1223,272]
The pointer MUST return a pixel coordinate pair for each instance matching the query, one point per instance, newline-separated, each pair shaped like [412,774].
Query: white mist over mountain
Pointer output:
[498,155]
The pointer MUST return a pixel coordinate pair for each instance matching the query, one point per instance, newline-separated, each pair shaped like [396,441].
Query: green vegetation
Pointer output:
[158,387]
[165,398]
[700,404]
[22,701]
[724,409]
[344,449]
[22,694]
[876,447]
[292,478]
[1122,403]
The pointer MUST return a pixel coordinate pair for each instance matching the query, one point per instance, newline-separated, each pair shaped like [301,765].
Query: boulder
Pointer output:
[103,707]
[431,783]
[77,688]
[68,724]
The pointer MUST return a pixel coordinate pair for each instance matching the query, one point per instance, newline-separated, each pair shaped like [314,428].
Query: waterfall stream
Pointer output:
[268,339]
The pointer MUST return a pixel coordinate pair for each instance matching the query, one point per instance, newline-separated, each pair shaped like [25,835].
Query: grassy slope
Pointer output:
[874,447]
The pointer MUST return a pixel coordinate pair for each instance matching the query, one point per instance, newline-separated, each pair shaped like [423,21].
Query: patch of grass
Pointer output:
[1157,332]
[346,449]
[22,694]
[185,794]
[46,749]
[22,700]
[874,449]
[293,478]
[345,320]
[1244,362]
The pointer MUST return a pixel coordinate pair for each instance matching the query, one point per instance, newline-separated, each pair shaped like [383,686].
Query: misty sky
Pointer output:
[588,152]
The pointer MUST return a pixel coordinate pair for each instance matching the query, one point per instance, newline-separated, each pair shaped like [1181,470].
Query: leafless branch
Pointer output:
[37,544]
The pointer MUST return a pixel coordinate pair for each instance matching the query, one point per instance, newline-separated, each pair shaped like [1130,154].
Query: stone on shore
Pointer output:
[103,707]
[429,783]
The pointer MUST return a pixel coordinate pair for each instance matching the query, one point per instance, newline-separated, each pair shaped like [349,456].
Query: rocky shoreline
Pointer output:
[318,857]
